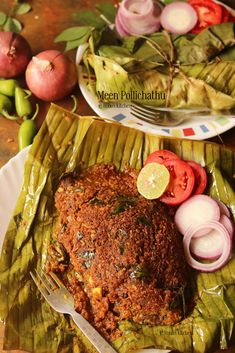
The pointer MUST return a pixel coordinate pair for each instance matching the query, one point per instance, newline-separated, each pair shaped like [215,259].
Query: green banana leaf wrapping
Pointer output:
[63,142]
[186,71]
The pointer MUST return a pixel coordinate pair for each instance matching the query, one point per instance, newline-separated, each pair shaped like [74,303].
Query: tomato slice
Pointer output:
[225,15]
[208,12]
[200,178]
[181,182]
[160,157]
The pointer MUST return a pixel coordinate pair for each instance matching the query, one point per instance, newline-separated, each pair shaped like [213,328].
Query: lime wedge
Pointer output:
[153,180]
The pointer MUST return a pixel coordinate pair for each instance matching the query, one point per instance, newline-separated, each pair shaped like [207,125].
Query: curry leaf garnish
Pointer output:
[74,36]
[121,249]
[96,201]
[88,21]
[73,33]
[12,25]
[124,202]
[22,8]
[140,271]
[3,18]
[107,10]
[89,18]
[144,220]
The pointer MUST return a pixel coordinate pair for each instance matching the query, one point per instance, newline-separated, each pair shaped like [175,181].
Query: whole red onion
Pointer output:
[15,53]
[51,75]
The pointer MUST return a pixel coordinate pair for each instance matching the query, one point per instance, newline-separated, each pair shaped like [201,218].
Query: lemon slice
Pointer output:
[153,180]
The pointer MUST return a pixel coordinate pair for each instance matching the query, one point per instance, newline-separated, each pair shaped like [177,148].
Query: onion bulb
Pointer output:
[15,53]
[179,17]
[51,75]
[136,17]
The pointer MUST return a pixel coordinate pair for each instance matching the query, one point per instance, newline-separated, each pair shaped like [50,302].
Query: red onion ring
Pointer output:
[223,208]
[227,223]
[179,17]
[119,27]
[138,17]
[197,210]
[225,252]
[208,246]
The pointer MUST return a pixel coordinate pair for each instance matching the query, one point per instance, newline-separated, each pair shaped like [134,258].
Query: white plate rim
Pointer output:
[196,129]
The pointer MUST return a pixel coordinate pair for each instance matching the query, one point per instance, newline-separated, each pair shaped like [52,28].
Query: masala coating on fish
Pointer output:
[125,253]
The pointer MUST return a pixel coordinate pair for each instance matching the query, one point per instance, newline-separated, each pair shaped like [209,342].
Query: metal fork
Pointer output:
[62,301]
[172,117]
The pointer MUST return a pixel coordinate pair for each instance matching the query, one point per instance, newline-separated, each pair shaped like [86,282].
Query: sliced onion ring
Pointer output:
[197,210]
[179,17]
[138,17]
[208,246]
[223,208]
[119,27]
[227,223]
[225,252]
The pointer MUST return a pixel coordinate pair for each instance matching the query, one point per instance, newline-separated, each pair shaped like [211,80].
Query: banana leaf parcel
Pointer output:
[189,71]
[64,141]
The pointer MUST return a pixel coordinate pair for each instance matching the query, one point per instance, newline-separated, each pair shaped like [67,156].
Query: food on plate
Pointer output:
[178,17]
[186,177]
[197,210]
[15,53]
[165,70]
[181,184]
[153,180]
[206,246]
[209,13]
[137,17]
[113,237]
[65,144]
[200,178]
[207,232]
[160,156]
[51,75]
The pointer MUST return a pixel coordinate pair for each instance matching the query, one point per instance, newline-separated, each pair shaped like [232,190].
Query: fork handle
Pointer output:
[94,337]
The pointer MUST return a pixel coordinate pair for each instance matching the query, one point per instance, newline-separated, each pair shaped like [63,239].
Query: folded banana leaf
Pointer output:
[188,49]
[64,141]
[191,71]
[201,85]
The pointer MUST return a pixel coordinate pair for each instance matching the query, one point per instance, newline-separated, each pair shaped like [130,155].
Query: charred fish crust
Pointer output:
[126,249]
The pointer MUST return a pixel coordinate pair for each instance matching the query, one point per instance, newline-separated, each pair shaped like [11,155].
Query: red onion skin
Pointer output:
[138,23]
[180,213]
[225,254]
[51,75]
[223,208]
[15,54]
[119,27]
[227,223]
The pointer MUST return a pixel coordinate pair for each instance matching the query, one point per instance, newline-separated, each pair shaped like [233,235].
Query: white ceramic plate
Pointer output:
[195,129]
[11,179]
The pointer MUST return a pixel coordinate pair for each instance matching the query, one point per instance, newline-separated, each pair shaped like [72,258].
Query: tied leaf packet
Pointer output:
[191,71]
[64,143]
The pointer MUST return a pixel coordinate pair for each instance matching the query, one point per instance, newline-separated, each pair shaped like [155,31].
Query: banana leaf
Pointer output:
[64,141]
[188,49]
[188,90]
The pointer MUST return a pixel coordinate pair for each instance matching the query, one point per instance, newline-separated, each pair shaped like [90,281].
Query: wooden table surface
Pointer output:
[41,25]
